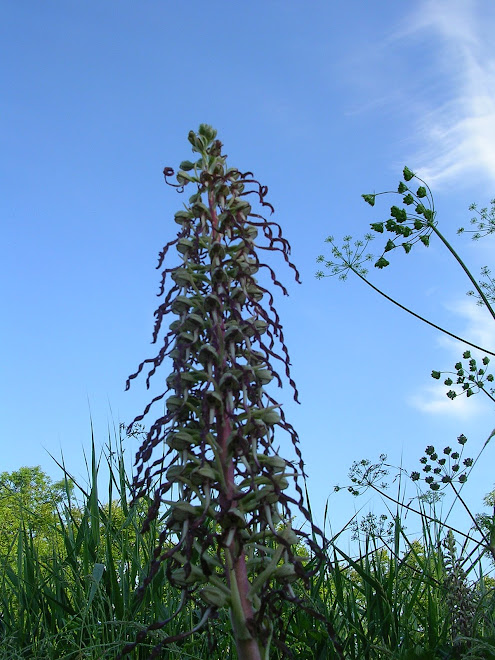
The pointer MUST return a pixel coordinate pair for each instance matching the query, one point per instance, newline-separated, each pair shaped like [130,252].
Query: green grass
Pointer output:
[74,597]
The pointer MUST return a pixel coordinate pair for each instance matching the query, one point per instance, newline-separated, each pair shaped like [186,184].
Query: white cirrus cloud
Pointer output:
[456,125]
[432,399]
[479,326]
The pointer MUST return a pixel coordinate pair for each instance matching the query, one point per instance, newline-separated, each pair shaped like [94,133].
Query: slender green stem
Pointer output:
[488,394]
[465,269]
[421,318]
[492,434]
[422,514]
[475,522]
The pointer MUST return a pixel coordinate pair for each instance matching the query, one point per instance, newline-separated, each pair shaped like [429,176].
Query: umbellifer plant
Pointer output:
[210,459]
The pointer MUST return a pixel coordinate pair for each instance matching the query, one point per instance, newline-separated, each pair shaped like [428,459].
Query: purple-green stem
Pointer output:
[241,607]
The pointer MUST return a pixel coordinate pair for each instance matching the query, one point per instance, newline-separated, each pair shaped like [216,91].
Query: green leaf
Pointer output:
[390,246]
[425,239]
[421,192]
[268,415]
[408,175]
[369,199]
[377,226]
[195,198]
[399,214]
[382,263]
[183,178]
[95,581]
[174,403]
[186,165]
[402,187]
[182,217]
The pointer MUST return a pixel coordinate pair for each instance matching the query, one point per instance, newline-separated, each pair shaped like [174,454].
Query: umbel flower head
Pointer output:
[209,459]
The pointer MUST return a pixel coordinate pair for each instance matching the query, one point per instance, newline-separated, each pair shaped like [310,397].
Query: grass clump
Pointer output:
[72,596]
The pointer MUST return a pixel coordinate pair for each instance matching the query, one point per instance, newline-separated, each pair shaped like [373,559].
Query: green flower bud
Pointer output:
[213,596]
[285,573]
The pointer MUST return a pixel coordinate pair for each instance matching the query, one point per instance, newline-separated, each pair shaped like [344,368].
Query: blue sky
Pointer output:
[323,101]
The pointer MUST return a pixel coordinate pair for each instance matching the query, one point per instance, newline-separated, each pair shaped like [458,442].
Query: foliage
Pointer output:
[28,498]
[394,599]
[78,602]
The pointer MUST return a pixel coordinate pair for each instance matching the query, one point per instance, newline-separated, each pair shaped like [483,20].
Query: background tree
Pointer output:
[28,499]
[224,483]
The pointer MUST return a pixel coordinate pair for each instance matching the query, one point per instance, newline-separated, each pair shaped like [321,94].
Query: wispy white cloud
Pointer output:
[479,328]
[457,133]
[432,399]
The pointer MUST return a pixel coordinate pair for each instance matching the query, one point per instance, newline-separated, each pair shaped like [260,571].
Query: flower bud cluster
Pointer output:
[449,468]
